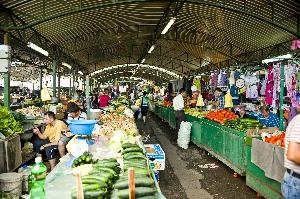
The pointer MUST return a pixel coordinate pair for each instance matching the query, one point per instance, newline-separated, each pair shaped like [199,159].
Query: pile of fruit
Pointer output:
[113,117]
[31,112]
[220,116]
[243,125]
[135,158]
[276,138]
[99,181]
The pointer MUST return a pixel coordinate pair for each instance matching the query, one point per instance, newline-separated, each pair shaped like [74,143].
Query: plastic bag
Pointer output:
[184,135]
[140,115]
[45,95]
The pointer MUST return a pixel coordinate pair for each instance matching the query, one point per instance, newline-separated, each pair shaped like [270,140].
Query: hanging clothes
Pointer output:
[262,91]
[231,78]
[290,71]
[213,80]
[276,87]
[269,86]
[223,80]
[251,86]
[228,100]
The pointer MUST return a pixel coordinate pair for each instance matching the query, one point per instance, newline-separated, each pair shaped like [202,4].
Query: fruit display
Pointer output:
[121,101]
[85,158]
[195,112]
[134,157]
[220,116]
[243,124]
[167,103]
[276,138]
[99,181]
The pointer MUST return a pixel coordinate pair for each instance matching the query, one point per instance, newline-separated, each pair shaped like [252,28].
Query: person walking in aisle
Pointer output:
[178,104]
[291,181]
[144,106]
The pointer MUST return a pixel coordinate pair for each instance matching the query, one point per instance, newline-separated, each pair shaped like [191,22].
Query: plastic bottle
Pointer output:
[37,179]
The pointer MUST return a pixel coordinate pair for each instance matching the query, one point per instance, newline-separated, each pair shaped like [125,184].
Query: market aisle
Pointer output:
[192,173]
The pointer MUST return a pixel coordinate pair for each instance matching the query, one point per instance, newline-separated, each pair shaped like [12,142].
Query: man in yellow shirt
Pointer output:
[48,141]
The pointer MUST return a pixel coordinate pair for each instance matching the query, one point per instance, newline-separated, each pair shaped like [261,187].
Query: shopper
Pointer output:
[144,106]
[104,99]
[267,118]
[75,113]
[291,181]
[178,104]
[220,99]
[47,142]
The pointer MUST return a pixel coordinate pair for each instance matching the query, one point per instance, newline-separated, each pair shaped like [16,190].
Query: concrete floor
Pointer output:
[192,173]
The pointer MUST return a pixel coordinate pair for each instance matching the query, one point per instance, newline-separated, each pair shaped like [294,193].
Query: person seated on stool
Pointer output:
[48,141]
[75,113]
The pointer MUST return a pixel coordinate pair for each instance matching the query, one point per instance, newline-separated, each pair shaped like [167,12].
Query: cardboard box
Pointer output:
[156,156]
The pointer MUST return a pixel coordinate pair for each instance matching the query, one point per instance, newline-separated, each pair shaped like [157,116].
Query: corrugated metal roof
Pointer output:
[101,33]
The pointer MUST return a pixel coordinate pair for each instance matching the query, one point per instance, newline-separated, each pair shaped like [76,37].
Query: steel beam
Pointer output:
[6,77]
[54,71]
[243,12]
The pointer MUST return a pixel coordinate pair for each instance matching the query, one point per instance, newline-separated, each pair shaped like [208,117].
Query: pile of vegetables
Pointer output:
[276,138]
[220,116]
[85,158]
[121,101]
[8,124]
[134,157]
[195,112]
[167,103]
[243,124]
[31,112]
[99,181]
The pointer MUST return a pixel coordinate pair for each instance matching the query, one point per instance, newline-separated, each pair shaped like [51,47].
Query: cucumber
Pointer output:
[139,171]
[139,192]
[108,160]
[139,182]
[95,194]
[94,181]
[132,149]
[135,156]
[107,164]
[128,145]
[126,167]
[109,170]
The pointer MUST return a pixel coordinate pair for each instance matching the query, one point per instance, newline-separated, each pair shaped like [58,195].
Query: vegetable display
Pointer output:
[134,157]
[220,116]
[276,138]
[243,124]
[8,124]
[99,182]
[195,112]
[85,158]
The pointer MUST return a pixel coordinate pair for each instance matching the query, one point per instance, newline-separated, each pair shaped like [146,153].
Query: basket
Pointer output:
[11,184]
[81,127]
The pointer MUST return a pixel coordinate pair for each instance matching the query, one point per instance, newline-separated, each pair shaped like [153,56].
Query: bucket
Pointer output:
[95,114]
[11,184]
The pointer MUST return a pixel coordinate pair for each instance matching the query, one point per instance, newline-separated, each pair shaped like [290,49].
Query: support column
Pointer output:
[41,80]
[6,77]
[70,87]
[54,68]
[73,86]
[87,94]
[281,127]
[58,84]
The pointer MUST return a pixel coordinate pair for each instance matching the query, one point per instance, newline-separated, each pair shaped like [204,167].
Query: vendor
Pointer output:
[75,113]
[48,141]
[220,99]
[267,118]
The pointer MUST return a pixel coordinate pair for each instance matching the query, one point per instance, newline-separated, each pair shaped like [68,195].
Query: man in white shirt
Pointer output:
[178,104]
[291,181]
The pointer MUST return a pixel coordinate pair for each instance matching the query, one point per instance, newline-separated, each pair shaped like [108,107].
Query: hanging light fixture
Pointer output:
[37,48]
[168,26]
[67,65]
[151,49]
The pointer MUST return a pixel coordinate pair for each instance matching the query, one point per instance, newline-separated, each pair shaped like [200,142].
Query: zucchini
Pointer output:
[107,164]
[126,167]
[139,171]
[132,153]
[139,182]
[139,192]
